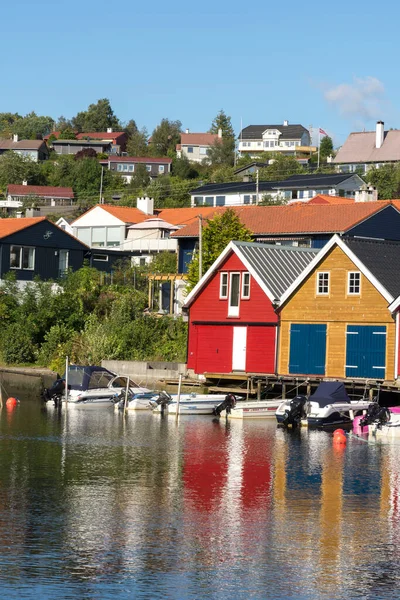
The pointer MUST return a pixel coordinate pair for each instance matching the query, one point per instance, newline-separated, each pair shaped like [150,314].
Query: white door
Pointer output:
[239,349]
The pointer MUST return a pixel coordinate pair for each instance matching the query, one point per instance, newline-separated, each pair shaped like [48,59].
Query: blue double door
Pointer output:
[366,351]
[307,349]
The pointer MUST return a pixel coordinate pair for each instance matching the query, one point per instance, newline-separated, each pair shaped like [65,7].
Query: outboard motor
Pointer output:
[227,404]
[162,400]
[296,411]
[55,393]
[375,414]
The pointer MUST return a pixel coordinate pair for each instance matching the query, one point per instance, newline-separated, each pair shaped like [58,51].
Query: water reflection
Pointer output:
[100,505]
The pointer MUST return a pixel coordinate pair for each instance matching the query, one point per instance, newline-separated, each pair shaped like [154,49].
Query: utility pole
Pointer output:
[257,186]
[200,247]
[101,186]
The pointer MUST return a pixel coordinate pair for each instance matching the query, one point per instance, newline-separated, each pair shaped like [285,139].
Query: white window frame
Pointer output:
[319,274]
[161,168]
[233,311]
[148,168]
[349,274]
[96,257]
[223,284]
[21,249]
[245,284]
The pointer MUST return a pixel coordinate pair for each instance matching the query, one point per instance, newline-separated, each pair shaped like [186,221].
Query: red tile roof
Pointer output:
[297,218]
[9,226]
[43,191]
[325,199]
[140,159]
[198,139]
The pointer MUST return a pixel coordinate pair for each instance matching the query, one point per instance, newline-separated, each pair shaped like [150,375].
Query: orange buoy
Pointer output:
[11,402]
[340,439]
[338,432]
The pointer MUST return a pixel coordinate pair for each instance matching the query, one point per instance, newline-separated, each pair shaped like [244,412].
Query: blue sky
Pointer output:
[330,65]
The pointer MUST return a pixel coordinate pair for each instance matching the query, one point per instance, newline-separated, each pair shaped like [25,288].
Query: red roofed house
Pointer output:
[110,142]
[41,194]
[195,146]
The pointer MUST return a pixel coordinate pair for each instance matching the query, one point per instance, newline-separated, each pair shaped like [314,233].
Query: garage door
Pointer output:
[366,351]
[214,349]
[307,349]
[260,349]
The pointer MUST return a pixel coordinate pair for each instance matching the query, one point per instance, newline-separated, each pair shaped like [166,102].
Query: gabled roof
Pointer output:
[140,159]
[288,132]
[361,148]
[10,226]
[299,218]
[273,267]
[198,139]
[315,180]
[234,187]
[378,260]
[325,199]
[21,145]
[40,190]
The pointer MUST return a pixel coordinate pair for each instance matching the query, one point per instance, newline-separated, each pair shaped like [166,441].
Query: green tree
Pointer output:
[131,128]
[223,122]
[183,168]
[7,121]
[281,168]
[33,126]
[63,123]
[137,143]
[67,134]
[222,152]
[386,179]
[15,169]
[139,180]
[165,137]
[325,148]
[217,233]
[98,117]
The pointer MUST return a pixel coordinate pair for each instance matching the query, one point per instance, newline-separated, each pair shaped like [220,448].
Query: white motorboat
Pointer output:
[92,387]
[135,401]
[329,406]
[189,404]
[252,409]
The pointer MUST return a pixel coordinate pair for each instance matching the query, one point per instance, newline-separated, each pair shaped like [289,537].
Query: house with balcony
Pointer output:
[195,146]
[109,142]
[286,139]
[367,149]
[36,150]
[126,165]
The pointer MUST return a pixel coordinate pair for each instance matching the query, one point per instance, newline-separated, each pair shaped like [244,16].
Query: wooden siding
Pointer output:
[209,307]
[337,310]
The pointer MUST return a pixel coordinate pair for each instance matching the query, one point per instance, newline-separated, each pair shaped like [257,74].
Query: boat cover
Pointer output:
[329,392]
[86,378]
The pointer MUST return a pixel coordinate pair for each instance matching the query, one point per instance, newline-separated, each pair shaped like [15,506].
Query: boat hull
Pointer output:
[260,409]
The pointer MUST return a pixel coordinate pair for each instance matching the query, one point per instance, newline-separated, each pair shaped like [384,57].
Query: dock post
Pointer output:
[126,394]
[259,389]
[283,391]
[371,394]
[66,381]
[178,400]
[308,389]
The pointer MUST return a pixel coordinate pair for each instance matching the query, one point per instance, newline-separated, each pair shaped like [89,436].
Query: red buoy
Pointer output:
[338,432]
[339,439]
[11,402]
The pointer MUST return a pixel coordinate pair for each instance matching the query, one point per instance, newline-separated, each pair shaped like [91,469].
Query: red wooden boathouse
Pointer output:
[232,318]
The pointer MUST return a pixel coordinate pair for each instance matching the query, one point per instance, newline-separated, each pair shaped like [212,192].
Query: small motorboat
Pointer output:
[247,409]
[329,406]
[189,404]
[135,400]
[379,421]
[91,387]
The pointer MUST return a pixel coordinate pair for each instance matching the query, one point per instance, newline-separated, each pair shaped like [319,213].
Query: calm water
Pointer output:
[95,505]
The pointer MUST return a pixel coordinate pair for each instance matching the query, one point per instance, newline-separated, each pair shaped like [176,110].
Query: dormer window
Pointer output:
[322,284]
[354,283]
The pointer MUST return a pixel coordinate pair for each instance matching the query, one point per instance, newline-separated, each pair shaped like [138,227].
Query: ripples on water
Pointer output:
[95,505]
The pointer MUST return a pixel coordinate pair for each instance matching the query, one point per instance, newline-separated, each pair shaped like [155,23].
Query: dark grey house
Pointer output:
[126,165]
[35,247]
[75,146]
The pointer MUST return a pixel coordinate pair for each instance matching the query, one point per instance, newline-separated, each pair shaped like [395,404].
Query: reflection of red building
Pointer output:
[205,465]
[256,469]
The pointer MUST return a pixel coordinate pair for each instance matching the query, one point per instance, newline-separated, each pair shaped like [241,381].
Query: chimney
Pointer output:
[187,130]
[366,194]
[24,182]
[285,123]
[220,133]
[109,130]
[146,205]
[15,137]
[380,131]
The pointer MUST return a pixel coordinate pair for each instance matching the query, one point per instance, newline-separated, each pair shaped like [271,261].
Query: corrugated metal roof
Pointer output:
[276,266]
